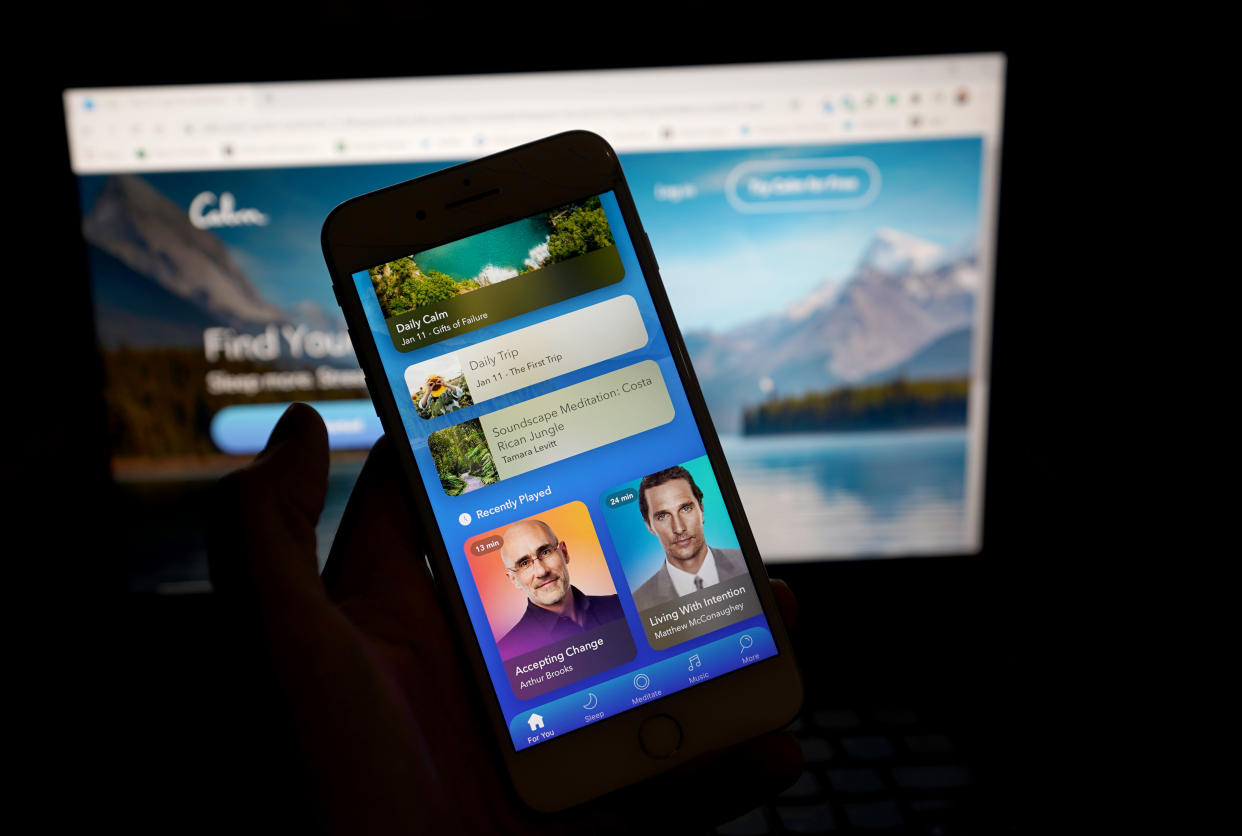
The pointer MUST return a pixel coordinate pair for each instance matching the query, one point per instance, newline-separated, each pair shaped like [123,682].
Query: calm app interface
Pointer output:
[584,521]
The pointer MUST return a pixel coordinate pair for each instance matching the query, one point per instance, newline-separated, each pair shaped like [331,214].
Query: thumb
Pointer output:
[367,767]
[261,520]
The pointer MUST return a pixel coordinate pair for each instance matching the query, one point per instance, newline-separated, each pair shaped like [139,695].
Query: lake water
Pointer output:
[505,247]
[851,494]
[830,495]
[822,495]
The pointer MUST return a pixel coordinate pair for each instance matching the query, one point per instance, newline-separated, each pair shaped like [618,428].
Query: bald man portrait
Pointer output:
[537,563]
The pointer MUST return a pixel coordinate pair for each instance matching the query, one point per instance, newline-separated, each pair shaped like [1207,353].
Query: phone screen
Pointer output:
[584,521]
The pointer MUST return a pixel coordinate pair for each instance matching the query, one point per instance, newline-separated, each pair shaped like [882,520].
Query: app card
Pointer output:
[679,553]
[525,357]
[550,600]
[487,278]
[550,428]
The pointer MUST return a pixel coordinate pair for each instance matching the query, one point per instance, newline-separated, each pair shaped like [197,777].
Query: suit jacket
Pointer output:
[659,589]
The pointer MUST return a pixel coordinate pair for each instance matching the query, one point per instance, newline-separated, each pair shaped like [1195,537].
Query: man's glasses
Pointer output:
[525,563]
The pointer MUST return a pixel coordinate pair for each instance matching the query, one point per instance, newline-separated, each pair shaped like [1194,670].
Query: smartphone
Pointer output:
[580,518]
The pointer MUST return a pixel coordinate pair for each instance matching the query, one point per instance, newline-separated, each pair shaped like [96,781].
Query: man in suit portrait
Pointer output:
[672,507]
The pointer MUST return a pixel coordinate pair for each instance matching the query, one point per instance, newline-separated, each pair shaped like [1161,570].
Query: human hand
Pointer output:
[367,662]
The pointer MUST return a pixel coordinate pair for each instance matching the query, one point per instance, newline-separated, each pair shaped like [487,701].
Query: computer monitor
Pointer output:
[825,229]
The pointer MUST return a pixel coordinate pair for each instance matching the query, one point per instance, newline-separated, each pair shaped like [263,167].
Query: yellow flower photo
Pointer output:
[438,386]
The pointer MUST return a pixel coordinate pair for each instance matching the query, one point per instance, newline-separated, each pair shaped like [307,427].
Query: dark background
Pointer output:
[153,712]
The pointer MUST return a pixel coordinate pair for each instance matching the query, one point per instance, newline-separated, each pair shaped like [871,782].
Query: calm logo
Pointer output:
[206,213]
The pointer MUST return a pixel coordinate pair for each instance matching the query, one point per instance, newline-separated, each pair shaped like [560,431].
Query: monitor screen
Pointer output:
[825,231]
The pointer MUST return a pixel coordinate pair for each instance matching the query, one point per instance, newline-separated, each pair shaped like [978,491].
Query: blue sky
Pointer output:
[756,264]
[722,267]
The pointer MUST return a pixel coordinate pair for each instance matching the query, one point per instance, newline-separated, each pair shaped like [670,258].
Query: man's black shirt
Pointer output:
[539,627]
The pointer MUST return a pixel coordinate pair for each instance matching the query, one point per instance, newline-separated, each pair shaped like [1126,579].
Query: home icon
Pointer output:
[535,722]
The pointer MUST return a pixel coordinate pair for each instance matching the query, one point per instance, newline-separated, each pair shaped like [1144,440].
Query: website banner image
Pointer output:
[828,294]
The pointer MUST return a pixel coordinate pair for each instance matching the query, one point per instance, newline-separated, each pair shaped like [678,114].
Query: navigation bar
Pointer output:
[639,685]
[405,120]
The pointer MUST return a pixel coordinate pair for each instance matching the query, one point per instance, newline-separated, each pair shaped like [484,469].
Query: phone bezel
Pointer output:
[469,198]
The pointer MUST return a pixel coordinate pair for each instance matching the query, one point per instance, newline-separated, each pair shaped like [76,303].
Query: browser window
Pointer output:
[824,230]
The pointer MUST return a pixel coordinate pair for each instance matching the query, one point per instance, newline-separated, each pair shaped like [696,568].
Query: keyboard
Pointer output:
[894,770]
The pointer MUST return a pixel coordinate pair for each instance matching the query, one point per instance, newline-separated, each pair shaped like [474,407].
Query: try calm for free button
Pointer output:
[810,185]
[244,429]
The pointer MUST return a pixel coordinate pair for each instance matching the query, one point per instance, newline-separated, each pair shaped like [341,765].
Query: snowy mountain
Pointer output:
[896,253]
[901,299]
[153,238]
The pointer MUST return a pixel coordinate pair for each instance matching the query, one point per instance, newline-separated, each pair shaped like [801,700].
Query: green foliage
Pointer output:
[461,451]
[898,404]
[402,286]
[577,229]
[432,287]
[480,463]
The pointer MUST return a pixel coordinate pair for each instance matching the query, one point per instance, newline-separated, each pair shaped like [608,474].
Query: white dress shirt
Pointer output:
[683,581]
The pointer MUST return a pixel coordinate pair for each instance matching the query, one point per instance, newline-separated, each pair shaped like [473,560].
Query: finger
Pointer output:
[377,576]
[787,603]
[378,544]
[261,519]
[363,756]
[376,570]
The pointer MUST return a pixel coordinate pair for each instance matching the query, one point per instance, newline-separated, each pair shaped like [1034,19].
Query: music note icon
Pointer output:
[694,662]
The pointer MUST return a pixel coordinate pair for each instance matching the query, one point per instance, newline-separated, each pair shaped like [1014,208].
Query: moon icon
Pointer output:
[592,702]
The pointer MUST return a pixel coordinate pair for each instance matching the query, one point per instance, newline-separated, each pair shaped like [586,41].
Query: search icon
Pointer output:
[746,642]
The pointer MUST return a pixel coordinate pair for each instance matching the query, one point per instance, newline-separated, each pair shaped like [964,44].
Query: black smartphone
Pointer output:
[580,518]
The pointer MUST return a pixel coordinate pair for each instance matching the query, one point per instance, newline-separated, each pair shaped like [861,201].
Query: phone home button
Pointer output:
[660,736]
